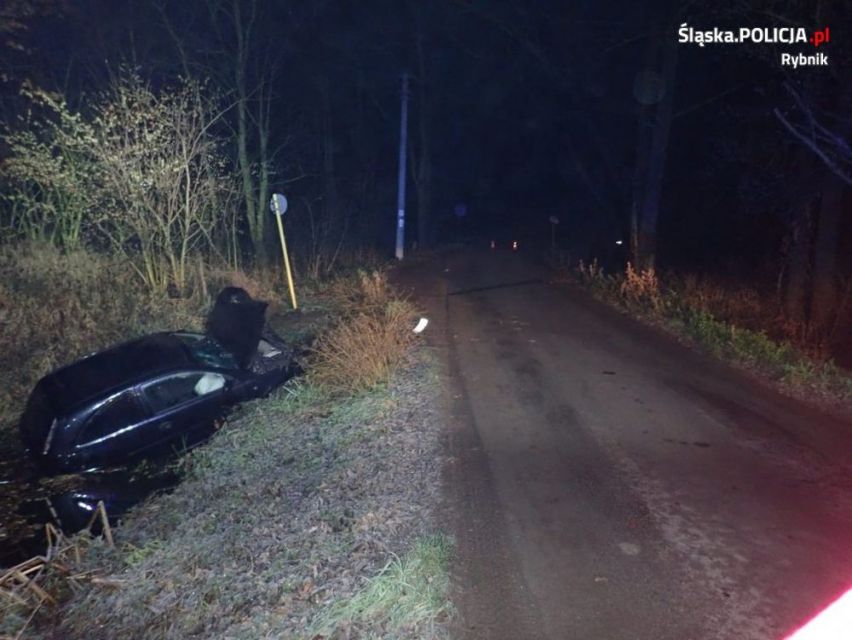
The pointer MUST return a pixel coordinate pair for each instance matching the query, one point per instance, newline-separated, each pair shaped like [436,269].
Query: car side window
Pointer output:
[183,387]
[122,411]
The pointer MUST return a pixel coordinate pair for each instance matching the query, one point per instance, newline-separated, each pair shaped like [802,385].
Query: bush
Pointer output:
[364,291]
[369,343]
[733,303]
[140,172]
[593,276]
[703,328]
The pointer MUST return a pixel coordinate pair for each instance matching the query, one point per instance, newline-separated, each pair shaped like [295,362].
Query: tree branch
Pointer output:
[829,146]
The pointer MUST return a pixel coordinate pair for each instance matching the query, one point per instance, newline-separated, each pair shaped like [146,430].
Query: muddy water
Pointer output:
[29,500]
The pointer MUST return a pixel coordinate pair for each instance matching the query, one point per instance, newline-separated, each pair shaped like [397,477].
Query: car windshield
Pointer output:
[207,351]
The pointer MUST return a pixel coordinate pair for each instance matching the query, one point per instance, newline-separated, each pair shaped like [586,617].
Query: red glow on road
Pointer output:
[832,623]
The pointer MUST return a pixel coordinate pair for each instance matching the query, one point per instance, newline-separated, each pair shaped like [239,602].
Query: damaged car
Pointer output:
[117,405]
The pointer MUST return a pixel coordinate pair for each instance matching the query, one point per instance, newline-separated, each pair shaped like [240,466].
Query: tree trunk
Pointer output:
[255,216]
[424,166]
[640,174]
[643,143]
[255,222]
[795,295]
[657,151]
[634,234]
[328,170]
[825,305]
[824,299]
[264,108]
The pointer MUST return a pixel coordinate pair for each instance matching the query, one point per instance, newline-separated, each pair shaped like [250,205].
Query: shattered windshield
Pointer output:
[206,350]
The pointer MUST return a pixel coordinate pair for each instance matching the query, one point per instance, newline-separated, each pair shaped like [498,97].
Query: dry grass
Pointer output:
[641,287]
[745,307]
[55,307]
[364,291]
[262,283]
[47,579]
[371,340]
[740,304]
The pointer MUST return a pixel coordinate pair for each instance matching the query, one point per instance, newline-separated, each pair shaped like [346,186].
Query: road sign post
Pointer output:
[553,222]
[278,205]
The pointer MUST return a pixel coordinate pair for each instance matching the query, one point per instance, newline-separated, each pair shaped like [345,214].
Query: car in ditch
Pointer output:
[117,405]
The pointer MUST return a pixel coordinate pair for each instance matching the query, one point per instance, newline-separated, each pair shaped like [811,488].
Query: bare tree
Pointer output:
[162,172]
[808,125]
[142,173]
[242,63]
[51,180]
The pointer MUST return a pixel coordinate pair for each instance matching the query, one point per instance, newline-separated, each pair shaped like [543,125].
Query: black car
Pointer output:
[115,405]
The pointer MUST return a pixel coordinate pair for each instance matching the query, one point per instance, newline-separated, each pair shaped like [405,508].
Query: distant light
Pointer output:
[554,220]
[514,245]
[493,244]
[832,623]
[421,325]
[619,242]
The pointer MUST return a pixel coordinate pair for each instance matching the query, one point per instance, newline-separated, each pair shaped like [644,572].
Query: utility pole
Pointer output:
[403,141]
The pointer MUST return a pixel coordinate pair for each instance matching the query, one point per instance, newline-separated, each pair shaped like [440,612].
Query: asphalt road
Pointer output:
[605,482]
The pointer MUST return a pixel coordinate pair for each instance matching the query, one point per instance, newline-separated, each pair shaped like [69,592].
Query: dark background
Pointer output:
[521,110]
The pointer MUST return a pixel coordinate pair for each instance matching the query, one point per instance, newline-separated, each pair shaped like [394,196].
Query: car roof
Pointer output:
[114,368]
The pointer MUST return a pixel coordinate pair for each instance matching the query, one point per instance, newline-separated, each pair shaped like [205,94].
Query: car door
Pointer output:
[182,403]
[112,431]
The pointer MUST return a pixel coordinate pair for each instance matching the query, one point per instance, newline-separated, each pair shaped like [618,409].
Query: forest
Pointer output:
[155,133]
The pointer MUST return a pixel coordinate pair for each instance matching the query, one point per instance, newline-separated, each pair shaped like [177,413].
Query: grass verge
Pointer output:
[690,311]
[407,592]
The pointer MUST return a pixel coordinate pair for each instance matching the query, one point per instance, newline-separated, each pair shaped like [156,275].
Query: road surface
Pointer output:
[605,482]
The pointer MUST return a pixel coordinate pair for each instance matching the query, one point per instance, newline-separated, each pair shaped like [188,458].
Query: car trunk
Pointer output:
[236,322]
